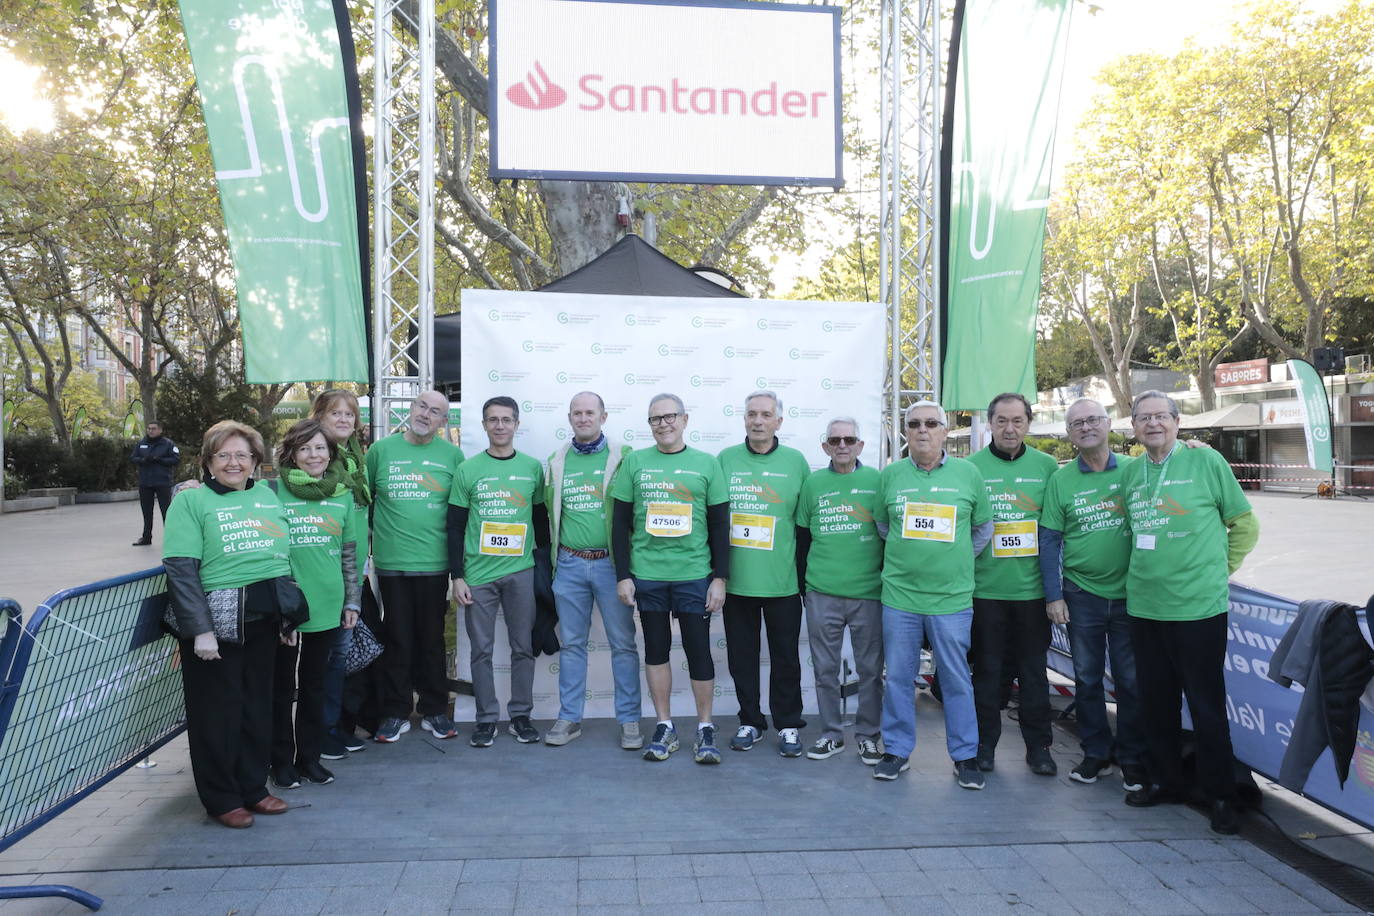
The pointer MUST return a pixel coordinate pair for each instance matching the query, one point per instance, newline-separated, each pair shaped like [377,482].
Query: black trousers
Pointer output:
[146,495]
[299,673]
[413,662]
[783,618]
[1175,659]
[229,718]
[1024,625]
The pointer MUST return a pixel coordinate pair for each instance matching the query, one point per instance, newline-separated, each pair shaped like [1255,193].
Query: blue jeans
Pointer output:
[949,634]
[1097,626]
[576,584]
[334,677]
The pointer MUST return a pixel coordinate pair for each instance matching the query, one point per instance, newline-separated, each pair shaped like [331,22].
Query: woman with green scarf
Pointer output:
[324,535]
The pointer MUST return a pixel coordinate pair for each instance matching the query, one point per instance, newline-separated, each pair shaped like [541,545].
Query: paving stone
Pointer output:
[916,906]
[993,856]
[255,878]
[295,901]
[478,871]
[831,861]
[548,870]
[705,866]
[546,893]
[595,867]
[728,888]
[776,863]
[1152,853]
[787,887]
[977,904]
[663,867]
[484,895]
[1205,850]
[949,881]
[661,891]
[231,901]
[1021,881]
[1158,901]
[1216,900]
[358,900]
[601,892]
[929,858]
[843,885]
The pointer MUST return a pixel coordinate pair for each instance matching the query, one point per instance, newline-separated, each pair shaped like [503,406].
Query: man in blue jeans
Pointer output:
[578,494]
[1085,551]
[934,514]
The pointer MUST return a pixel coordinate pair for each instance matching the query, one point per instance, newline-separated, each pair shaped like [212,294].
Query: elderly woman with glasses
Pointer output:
[225,552]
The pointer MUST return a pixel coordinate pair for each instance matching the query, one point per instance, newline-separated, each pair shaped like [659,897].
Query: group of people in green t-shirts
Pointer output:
[972,558]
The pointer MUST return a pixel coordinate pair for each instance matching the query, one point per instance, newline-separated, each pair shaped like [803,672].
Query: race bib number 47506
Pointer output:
[929,521]
[668,520]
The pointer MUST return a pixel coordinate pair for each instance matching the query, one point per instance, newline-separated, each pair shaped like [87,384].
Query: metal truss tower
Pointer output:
[908,221]
[403,212]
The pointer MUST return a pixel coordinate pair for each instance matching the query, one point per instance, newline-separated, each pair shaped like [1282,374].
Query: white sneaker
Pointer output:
[630,737]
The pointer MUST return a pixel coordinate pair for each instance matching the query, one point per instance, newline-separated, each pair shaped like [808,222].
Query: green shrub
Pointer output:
[95,464]
[15,486]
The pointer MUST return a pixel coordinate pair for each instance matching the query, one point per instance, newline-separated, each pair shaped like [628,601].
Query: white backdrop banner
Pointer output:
[824,359]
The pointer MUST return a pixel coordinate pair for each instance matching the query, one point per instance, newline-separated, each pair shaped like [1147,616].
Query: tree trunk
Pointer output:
[581,218]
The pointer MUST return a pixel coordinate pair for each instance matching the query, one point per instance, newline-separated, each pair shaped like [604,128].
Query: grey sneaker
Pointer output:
[705,750]
[562,732]
[869,755]
[891,766]
[630,737]
[826,747]
[744,738]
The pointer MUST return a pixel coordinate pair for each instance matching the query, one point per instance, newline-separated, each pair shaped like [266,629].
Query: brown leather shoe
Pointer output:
[270,805]
[237,819]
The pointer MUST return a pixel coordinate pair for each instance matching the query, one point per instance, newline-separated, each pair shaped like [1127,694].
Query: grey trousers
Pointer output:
[515,595]
[826,618]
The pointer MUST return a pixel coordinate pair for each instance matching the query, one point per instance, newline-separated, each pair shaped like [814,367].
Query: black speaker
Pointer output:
[1328,359]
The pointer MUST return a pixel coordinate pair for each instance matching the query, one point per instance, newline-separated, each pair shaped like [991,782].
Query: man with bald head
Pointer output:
[410,473]
[578,494]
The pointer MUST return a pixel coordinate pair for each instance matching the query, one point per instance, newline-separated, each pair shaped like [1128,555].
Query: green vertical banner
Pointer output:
[272,81]
[1316,413]
[1006,100]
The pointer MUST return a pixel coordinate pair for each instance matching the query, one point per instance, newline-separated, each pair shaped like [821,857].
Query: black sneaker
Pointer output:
[142,542]
[869,755]
[1040,762]
[891,766]
[969,774]
[285,777]
[986,758]
[1089,769]
[1224,820]
[331,748]
[439,725]
[484,735]
[523,731]
[1150,795]
[391,730]
[313,772]
[1133,777]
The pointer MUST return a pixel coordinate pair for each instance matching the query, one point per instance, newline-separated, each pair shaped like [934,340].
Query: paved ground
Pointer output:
[426,826]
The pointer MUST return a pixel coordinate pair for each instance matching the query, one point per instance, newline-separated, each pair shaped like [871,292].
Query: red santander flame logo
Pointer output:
[537,92]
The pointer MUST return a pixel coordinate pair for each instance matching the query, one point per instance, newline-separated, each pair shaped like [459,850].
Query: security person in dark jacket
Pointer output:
[157,458]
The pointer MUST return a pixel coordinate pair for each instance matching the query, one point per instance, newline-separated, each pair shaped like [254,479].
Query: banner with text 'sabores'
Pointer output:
[274,84]
[1010,67]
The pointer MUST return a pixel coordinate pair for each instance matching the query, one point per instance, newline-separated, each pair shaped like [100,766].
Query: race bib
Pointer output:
[1015,539]
[668,520]
[501,540]
[1145,542]
[752,531]
[928,521]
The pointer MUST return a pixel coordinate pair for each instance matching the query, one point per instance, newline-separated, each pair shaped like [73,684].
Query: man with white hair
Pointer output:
[764,478]
[935,517]
[840,560]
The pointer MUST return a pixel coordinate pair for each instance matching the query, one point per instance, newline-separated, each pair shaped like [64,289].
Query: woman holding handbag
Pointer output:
[324,535]
[232,603]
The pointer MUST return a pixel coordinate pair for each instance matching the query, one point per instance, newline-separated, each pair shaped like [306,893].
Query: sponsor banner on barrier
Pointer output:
[824,359]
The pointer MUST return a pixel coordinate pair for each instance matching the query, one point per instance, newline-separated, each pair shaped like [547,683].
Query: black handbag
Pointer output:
[363,650]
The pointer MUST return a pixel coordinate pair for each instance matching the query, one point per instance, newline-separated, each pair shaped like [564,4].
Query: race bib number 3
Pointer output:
[752,531]
[502,540]
[1015,539]
[929,522]
[668,520]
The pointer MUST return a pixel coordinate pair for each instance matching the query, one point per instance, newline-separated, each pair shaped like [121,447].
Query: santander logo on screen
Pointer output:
[538,92]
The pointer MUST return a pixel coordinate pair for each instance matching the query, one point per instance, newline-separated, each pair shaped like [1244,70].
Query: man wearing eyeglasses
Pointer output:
[764,478]
[935,518]
[410,476]
[840,558]
[1084,554]
[1008,596]
[1191,527]
[670,543]
[496,517]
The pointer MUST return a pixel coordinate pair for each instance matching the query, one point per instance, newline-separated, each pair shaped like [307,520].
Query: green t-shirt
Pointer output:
[319,529]
[928,556]
[410,487]
[239,537]
[846,557]
[583,514]
[1009,569]
[670,494]
[1178,539]
[763,506]
[1090,510]
[500,495]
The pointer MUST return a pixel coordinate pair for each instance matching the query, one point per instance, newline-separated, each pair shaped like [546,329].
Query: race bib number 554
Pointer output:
[929,522]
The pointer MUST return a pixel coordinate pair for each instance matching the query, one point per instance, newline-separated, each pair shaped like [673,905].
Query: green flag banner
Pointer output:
[1010,67]
[1316,413]
[272,77]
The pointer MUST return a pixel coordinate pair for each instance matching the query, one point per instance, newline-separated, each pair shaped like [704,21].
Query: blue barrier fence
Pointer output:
[91,686]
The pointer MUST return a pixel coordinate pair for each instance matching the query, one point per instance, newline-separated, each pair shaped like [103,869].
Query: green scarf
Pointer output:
[352,470]
[302,486]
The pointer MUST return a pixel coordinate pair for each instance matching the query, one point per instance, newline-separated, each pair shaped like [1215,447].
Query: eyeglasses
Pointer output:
[928,424]
[240,457]
[499,421]
[1153,417]
[1087,422]
[842,440]
[664,419]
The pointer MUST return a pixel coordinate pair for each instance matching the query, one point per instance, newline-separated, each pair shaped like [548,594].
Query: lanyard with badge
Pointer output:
[1147,541]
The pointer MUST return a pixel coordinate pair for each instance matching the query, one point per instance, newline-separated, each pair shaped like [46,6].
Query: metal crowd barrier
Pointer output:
[91,687]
